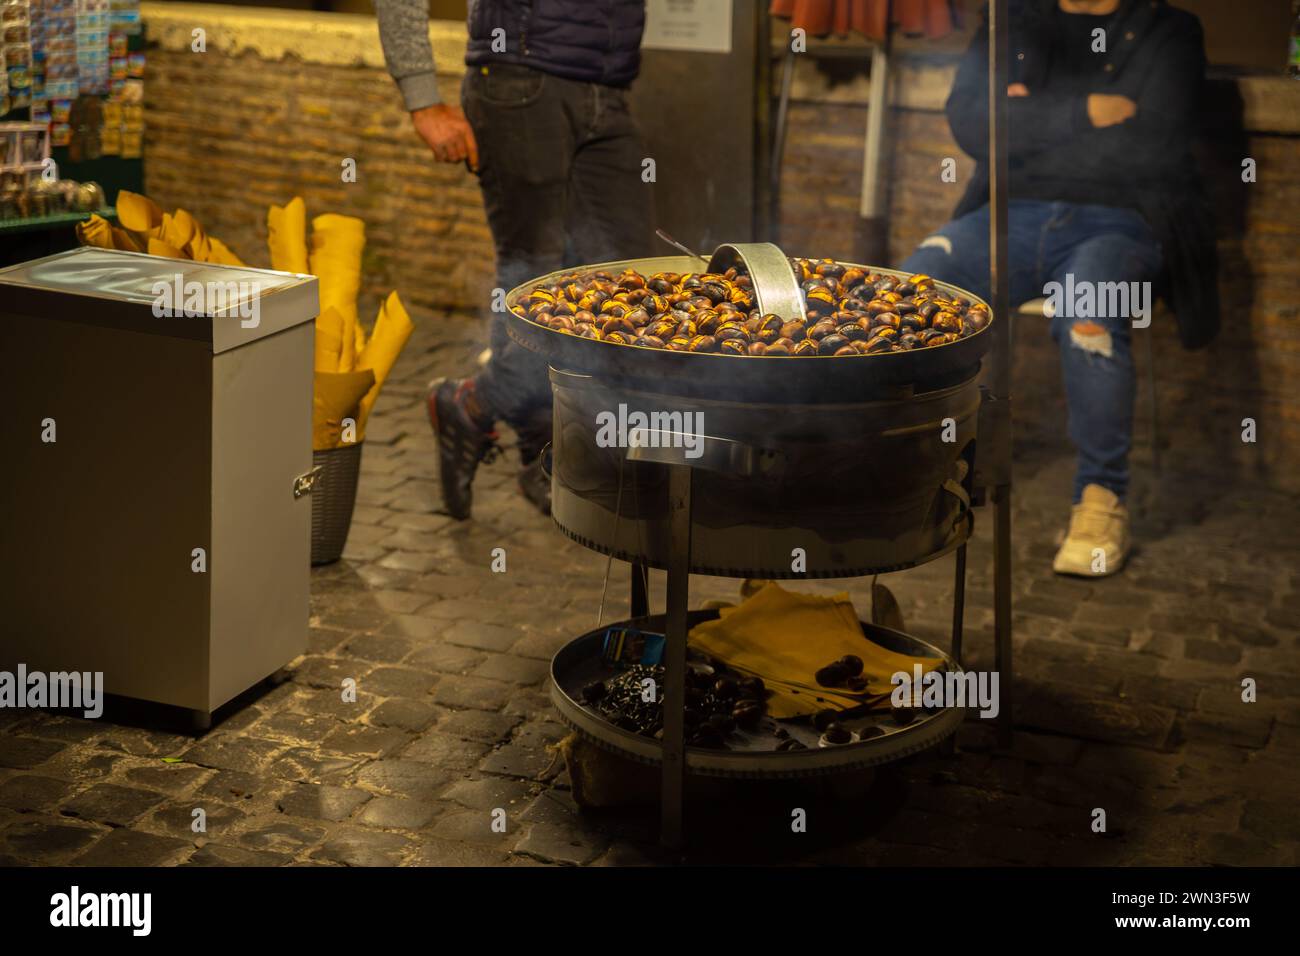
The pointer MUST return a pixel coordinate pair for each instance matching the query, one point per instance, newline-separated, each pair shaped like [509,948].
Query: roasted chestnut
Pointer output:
[903,715]
[794,331]
[832,675]
[725,688]
[747,714]
[831,344]
[946,322]
[837,733]
[617,324]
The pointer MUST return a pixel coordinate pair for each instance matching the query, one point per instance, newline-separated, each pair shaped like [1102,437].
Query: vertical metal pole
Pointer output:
[999,181]
[778,141]
[679,579]
[958,603]
[871,230]
[640,594]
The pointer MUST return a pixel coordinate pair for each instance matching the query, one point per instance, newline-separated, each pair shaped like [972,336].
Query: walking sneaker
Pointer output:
[465,438]
[1097,543]
[536,486]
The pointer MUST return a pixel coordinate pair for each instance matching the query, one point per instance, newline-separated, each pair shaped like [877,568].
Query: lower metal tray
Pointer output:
[753,754]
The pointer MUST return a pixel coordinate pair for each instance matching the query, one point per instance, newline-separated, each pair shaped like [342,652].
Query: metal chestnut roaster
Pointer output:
[867,463]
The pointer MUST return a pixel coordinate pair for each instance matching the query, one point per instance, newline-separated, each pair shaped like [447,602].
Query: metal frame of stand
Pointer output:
[992,483]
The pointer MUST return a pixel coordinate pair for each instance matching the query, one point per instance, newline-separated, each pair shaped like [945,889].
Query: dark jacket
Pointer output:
[1155,56]
[596,41]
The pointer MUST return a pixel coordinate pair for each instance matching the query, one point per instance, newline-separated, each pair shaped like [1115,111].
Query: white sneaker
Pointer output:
[1097,543]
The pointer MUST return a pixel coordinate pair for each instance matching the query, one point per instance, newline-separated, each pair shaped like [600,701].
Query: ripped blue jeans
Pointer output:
[1088,250]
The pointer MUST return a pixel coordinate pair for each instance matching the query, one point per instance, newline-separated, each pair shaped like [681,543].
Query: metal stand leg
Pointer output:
[1002,609]
[679,579]
[640,605]
[958,603]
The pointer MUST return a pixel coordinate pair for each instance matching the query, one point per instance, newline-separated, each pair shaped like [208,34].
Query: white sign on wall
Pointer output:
[700,26]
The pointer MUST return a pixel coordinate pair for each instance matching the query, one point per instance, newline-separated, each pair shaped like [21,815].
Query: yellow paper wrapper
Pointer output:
[392,328]
[161,247]
[95,231]
[179,228]
[329,340]
[220,253]
[137,213]
[198,247]
[335,260]
[287,236]
[785,637]
[336,396]
[124,240]
[361,340]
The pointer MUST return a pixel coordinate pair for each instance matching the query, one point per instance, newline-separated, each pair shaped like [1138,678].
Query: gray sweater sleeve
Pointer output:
[404,35]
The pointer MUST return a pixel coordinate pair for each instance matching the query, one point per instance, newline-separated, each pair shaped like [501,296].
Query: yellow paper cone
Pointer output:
[336,246]
[220,253]
[95,231]
[392,328]
[124,240]
[360,330]
[336,397]
[179,228]
[329,340]
[287,236]
[160,247]
[137,213]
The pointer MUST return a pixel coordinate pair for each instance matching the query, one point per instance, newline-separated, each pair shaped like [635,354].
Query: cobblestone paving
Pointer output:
[1128,699]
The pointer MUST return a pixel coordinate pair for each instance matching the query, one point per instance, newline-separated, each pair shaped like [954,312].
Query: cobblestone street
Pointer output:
[1128,698]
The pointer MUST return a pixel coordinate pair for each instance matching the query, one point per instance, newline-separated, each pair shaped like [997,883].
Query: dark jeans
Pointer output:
[560,168]
[1046,242]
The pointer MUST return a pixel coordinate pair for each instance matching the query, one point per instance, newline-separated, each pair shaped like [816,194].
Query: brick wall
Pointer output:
[230,131]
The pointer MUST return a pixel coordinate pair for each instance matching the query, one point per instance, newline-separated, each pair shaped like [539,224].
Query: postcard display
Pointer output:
[78,66]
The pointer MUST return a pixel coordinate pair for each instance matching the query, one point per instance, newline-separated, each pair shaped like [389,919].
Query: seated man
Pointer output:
[1104,105]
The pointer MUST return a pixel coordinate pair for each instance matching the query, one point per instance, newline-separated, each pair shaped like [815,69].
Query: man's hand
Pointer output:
[446,131]
[1017,89]
[1108,109]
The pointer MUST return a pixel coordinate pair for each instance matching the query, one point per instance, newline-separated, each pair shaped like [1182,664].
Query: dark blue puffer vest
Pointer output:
[597,41]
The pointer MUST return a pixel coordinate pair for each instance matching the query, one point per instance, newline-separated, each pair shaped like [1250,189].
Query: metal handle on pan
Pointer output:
[776,288]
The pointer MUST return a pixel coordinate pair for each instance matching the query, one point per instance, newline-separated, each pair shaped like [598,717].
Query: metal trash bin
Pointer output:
[163,536]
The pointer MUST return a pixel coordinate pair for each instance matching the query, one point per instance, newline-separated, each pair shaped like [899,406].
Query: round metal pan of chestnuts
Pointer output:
[850,311]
